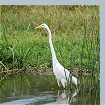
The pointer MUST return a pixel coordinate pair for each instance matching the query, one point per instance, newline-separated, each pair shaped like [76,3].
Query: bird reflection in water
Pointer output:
[65,97]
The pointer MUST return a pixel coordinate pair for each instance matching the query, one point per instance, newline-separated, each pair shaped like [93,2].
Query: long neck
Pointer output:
[51,46]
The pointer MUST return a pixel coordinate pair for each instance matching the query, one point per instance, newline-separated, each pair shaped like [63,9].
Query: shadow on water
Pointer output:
[43,90]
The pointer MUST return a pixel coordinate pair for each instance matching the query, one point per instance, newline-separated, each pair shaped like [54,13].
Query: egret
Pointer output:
[62,74]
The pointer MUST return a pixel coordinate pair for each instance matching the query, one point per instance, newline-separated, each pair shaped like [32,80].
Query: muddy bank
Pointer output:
[33,71]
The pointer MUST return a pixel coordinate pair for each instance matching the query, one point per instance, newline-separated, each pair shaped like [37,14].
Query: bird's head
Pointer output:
[44,26]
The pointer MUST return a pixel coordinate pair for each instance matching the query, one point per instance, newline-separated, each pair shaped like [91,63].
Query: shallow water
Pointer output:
[43,90]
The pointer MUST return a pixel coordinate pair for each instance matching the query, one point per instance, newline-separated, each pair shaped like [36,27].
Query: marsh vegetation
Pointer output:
[75,32]
[76,40]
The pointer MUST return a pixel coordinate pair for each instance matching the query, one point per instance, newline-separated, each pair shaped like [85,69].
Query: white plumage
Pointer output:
[62,75]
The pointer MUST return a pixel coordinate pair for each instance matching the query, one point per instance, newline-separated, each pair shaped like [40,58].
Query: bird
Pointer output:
[62,74]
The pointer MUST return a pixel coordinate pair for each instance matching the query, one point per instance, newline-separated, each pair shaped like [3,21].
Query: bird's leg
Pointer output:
[77,86]
[64,91]
[77,89]
[63,83]
[58,93]
[58,83]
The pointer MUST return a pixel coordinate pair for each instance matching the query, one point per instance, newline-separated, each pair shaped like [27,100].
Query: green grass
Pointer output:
[75,31]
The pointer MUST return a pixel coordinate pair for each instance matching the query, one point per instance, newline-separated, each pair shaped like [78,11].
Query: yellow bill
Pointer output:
[38,27]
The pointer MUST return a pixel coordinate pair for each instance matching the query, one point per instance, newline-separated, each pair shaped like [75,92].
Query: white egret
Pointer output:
[62,75]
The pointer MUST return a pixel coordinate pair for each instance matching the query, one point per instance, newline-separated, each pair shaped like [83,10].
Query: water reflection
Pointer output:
[42,90]
[27,101]
[64,97]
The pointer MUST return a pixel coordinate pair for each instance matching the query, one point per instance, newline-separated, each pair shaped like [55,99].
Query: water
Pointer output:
[43,90]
